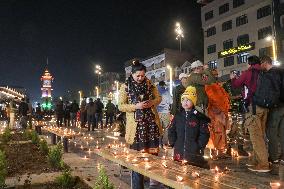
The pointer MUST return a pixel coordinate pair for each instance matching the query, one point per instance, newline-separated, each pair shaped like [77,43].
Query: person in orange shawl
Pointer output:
[218,108]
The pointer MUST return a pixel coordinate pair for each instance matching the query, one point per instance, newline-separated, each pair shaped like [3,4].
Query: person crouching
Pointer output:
[188,133]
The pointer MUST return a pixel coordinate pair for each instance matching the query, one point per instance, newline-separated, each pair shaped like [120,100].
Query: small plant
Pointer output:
[65,180]
[3,169]
[43,147]
[6,136]
[103,180]
[55,156]
[34,137]
[27,134]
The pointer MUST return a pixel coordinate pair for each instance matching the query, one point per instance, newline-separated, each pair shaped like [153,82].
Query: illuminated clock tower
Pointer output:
[46,89]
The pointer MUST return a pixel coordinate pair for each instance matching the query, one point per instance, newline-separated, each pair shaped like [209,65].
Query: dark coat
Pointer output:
[67,110]
[23,109]
[74,107]
[189,135]
[59,109]
[99,106]
[110,108]
[91,108]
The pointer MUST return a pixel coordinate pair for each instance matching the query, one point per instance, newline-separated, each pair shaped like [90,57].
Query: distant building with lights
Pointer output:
[8,93]
[156,65]
[236,29]
[46,90]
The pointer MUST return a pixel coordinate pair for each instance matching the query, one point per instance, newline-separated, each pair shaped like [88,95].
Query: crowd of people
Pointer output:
[207,113]
[87,115]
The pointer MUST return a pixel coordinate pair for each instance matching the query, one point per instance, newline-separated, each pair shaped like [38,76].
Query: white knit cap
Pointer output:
[182,75]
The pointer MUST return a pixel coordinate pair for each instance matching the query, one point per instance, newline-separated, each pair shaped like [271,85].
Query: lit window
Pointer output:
[212,64]
[242,58]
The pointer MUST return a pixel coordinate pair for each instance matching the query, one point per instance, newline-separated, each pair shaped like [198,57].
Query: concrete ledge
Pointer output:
[35,179]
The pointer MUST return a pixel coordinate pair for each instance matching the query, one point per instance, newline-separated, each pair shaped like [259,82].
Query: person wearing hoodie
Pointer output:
[255,118]
[164,110]
[188,132]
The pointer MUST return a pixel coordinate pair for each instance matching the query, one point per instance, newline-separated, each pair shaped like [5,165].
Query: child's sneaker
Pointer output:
[274,167]
[241,152]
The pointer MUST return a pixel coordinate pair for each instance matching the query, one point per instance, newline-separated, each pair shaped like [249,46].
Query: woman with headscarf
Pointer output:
[139,99]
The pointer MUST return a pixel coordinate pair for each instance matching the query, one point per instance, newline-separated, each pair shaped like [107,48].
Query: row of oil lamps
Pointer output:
[195,174]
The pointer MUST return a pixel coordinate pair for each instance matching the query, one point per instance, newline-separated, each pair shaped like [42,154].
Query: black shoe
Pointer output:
[275,167]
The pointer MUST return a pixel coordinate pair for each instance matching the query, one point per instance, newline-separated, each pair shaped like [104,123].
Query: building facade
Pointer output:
[8,93]
[107,84]
[156,65]
[236,29]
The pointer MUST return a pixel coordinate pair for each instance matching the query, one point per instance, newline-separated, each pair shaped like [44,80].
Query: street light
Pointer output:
[117,92]
[97,91]
[179,32]
[171,79]
[80,97]
[272,39]
[98,71]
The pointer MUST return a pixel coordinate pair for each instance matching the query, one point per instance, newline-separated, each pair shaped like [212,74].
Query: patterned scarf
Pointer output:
[138,92]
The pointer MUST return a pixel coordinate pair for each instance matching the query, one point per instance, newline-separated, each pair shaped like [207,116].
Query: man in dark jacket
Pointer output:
[110,111]
[275,120]
[73,112]
[59,113]
[255,120]
[99,112]
[67,114]
[189,133]
[23,112]
[178,90]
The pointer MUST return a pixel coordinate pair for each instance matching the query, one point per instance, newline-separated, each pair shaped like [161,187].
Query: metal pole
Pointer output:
[180,44]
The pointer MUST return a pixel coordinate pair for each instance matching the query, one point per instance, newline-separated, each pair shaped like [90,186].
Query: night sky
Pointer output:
[76,35]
